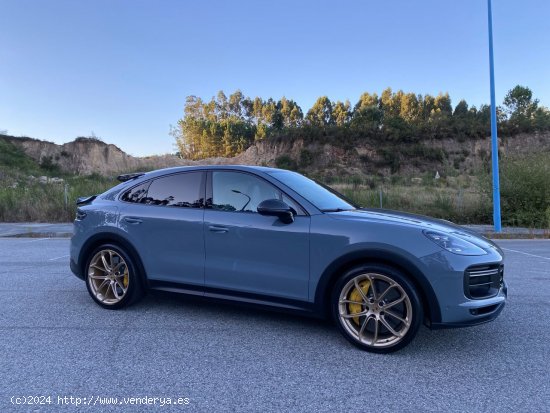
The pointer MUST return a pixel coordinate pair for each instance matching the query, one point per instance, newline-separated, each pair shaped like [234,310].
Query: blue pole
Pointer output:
[494,138]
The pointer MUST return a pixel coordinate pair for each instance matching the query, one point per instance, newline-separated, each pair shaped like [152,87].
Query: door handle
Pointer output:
[133,220]
[218,229]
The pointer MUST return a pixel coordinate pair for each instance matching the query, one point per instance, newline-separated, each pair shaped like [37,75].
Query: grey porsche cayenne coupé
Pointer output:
[275,238]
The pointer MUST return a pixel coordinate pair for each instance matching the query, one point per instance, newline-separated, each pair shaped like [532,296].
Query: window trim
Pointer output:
[209,192]
[151,180]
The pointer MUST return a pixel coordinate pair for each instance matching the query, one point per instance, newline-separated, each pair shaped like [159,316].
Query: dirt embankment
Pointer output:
[89,155]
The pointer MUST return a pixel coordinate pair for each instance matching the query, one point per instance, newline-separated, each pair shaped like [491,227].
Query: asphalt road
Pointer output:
[56,342]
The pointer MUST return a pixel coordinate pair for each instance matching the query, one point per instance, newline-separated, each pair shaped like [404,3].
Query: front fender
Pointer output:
[384,254]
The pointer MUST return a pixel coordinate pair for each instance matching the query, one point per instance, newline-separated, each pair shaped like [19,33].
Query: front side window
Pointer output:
[240,192]
[180,190]
[323,198]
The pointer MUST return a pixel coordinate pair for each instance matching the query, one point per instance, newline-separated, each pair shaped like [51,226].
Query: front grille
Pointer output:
[483,281]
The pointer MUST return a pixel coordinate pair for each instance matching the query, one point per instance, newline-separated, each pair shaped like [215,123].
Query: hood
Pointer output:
[420,221]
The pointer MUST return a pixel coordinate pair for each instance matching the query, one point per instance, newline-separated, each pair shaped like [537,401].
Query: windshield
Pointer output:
[324,198]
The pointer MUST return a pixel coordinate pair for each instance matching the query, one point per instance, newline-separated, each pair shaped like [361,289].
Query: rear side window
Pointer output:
[136,194]
[180,190]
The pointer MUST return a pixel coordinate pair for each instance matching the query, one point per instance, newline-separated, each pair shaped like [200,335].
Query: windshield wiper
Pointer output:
[337,209]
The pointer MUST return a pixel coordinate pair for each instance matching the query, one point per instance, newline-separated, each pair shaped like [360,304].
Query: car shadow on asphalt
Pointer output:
[461,342]
[209,307]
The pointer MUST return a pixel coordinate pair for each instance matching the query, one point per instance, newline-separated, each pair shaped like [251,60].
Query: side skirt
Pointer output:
[240,298]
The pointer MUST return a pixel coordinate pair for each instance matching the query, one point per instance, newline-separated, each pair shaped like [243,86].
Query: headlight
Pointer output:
[454,244]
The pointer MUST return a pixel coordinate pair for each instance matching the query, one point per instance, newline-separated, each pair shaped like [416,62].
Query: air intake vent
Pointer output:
[483,281]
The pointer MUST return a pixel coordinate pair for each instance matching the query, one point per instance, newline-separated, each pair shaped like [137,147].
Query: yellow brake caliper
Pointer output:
[356,296]
[125,279]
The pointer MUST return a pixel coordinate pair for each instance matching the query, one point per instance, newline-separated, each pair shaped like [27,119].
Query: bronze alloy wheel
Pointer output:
[377,309]
[108,277]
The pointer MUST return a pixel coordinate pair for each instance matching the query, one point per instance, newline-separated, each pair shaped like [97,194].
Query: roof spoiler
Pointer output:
[84,200]
[129,177]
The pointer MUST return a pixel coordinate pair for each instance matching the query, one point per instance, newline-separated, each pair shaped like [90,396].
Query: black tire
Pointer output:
[364,331]
[134,286]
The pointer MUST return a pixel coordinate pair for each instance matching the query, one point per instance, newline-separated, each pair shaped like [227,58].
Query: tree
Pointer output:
[386,100]
[519,101]
[483,121]
[367,119]
[226,126]
[285,108]
[428,105]
[410,108]
[291,113]
[391,102]
[270,112]
[257,110]
[366,100]
[237,135]
[541,118]
[235,104]
[442,104]
[194,107]
[341,113]
[320,113]
[222,105]
[296,116]
[462,124]
[210,111]
[461,110]
[248,108]
[521,108]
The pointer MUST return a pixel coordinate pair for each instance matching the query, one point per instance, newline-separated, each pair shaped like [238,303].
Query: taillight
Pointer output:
[80,215]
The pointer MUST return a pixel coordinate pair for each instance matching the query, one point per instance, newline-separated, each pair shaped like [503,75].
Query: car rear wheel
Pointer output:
[376,308]
[112,278]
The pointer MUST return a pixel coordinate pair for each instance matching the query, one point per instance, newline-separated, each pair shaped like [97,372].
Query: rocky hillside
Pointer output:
[85,156]
[382,159]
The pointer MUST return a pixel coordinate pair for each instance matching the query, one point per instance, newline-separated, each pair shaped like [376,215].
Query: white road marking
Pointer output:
[35,240]
[58,258]
[526,253]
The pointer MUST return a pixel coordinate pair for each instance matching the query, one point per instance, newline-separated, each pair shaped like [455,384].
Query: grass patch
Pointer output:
[31,201]
[458,205]
[23,198]
[13,159]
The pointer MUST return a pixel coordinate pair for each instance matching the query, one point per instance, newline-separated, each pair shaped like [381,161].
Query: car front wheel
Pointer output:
[111,277]
[376,308]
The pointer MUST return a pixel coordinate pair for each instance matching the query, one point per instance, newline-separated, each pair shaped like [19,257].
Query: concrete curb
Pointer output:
[35,230]
[510,232]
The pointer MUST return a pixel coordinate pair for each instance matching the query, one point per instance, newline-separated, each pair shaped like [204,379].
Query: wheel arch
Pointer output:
[111,238]
[339,266]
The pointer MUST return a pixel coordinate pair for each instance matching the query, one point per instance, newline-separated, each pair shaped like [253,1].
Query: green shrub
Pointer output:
[306,158]
[390,158]
[11,157]
[286,162]
[524,190]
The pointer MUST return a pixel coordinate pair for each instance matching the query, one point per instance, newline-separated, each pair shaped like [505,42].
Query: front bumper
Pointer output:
[460,303]
[76,270]
[475,312]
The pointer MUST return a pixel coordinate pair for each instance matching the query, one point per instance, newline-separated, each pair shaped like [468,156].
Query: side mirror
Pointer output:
[276,207]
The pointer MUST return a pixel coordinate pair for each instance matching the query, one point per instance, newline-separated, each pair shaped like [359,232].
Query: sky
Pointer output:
[121,69]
